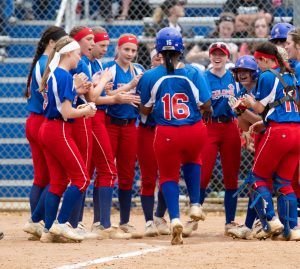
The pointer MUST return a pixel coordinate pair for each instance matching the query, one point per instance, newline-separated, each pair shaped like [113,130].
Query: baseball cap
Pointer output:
[219,46]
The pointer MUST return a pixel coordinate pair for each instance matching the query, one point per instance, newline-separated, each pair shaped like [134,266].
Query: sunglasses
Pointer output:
[219,46]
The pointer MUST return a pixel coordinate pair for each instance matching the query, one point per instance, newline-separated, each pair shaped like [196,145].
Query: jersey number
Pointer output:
[175,106]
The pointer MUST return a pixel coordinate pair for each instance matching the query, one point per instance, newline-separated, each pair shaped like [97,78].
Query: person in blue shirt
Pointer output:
[222,130]
[176,93]
[121,124]
[279,151]
[293,49]
[68,173]
[35,106]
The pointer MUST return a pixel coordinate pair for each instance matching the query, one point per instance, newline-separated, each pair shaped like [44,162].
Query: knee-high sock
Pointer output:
[125,205]
[202,196]
[250,216]
[161,205]
[230,205]
[191,172]
[148,206]
[34,196]
[51,208]
[170,190]
[105,202]
[96,203]
[39,212]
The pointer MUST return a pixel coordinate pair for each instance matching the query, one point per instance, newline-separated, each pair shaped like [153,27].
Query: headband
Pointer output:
[100,37]
[127,39]
[258,55]
[82,33]
[67,48]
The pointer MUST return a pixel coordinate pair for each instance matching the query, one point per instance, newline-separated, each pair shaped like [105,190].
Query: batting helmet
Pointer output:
[169,38]
[247,62]
[280,30]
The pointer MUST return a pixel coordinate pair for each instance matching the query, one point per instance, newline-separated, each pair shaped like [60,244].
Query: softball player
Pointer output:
[176,92]
[63,157]
[102,156]
[35,107]
[121,124]
[149,170]
[275,100]
[222,131]
[292,47]
[279,33]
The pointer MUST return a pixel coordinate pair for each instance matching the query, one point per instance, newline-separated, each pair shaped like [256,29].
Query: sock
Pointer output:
[287,211]
[51,208]
[72,197]
[75,213]
[170,190]
[148,206]
[39,212]
[191,172]
[230,204]
[82,207]
[105,201]
[96,204]
[161,205]
[202,196]
[125,205]
[298,207]
[250,216]
[34,196]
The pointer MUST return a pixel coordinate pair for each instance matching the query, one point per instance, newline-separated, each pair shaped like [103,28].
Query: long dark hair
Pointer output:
[271,49]
[51,33]
[168,56]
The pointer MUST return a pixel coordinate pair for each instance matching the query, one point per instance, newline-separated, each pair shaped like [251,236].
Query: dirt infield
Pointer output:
[207,248]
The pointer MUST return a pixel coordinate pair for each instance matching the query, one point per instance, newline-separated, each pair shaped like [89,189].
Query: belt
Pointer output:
[222,119]
[121,122]
[151,127]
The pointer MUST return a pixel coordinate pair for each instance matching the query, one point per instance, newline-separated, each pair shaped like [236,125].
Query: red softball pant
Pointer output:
[123,140]
[223,137]
[63,157]
[40,168]
[82,135]
[147,160]
[102,156]
[278,153]
[176,145]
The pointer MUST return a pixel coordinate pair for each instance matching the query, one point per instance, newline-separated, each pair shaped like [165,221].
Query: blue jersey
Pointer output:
[297,73]
[221,89]
[35,100]
[175,98]
[120,77]
[59,88]
[270,89]
[81,67]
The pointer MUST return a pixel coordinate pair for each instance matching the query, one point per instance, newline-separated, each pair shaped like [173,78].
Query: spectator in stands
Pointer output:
[135,10]
[224,29]
[259,29]
[247,11]
[166,15]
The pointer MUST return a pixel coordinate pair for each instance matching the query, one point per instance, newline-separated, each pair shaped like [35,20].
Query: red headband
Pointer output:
[127,39]
[259,55]
[100,37]
[82,33]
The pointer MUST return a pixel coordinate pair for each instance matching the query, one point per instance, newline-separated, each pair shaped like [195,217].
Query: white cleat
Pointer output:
[196,212]
[112,232]
[86,234]
[128,228]
[162,226]
[66,230]
[189,227]
[241,232]
[150,229]
[274,227]
[229,226]
[176,230]
[33,228]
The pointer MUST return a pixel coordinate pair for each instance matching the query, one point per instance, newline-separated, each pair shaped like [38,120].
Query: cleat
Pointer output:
[112,232]
[161,225]
[34,228]
[150,229]
[189,227]
[33,237]
[176,230]
[86,235]
[229,226]
[65,230]
[241,232]
[1,235]
[274,227]
[128,228]
[196,212]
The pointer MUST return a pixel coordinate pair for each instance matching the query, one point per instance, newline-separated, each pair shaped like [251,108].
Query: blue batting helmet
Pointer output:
[169,38]
[280,30]
[247,62]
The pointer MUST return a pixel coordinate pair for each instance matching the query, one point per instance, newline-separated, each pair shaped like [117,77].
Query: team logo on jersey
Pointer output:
[217,94]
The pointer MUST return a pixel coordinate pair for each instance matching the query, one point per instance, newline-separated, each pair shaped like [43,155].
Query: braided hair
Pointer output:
[168,56]
[51,33]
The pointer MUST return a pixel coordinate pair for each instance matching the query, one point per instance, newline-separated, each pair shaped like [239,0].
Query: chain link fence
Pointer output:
[23,21]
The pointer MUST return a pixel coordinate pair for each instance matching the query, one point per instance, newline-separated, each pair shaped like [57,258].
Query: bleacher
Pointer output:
[15,157]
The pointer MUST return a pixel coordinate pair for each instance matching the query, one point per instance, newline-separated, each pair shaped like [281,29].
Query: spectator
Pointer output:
[166,15]
[259,29]
[135,10]
[225,29]
[247,11]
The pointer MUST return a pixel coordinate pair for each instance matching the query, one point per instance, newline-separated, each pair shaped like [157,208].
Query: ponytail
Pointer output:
[169,56]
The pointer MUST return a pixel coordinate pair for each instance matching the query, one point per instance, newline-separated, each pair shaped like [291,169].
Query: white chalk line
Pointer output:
[110,258]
